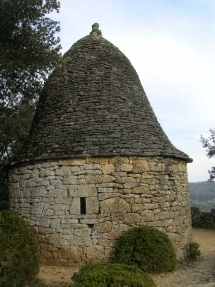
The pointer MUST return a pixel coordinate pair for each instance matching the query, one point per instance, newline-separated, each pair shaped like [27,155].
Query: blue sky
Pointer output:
[171,44]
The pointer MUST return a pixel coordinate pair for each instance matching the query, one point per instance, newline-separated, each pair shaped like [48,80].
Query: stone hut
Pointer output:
[97,161]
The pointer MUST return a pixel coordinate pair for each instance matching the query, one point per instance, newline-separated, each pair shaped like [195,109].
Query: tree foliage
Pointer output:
[209,144]
[19,256]
[29,51]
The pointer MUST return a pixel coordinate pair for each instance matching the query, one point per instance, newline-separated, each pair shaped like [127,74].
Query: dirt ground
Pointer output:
[201,273]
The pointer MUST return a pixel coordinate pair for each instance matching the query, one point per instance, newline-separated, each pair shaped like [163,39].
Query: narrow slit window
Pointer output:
[83,205]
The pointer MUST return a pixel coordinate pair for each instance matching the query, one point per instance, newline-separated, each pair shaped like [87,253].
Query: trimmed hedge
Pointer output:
[19,258]
[111,275]
[147,248]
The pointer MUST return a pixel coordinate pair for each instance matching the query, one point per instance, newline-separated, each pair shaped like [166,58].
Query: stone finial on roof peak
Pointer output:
[95,30]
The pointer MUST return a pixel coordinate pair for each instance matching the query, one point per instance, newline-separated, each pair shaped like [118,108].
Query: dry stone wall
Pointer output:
[79,207]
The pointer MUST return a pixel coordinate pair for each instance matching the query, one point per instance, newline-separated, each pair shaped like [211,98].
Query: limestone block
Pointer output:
[37,208]
[66,231]
[43,165]
[151,181]
[174,237]
[82,190]
[80,181]
[61,207]
[124,167]
[69,221]
[94,171]
[26,193]
[119,227]
[73,253]
[48,172]
[92,205]
[57,241]
[45,222]
[95,251]
[114,205]
[83,232]
[66,170]
[63,200]
[140,166]
[29,183]
[37,165]
[136,207]
[105,189]
[90,166]
[152,165]
[55,224]
[108,168]
[130,184]
[76,169]
[150,206]
[94,179]
[81,241]
[174,168]
[56,182]
[65,227]
[147,215]
[50,187]
[165,205]
[171,228]
[142,189]
[48,212]
[131,218]
[27,176]
[75,206]
[14,186]
[161,166]
[103,196]
[112,236]
[103,227]
[127,179]
[126,191]
[119,160]
[165,215]
[119,174]
[58,193]
[142,200]
[108,179]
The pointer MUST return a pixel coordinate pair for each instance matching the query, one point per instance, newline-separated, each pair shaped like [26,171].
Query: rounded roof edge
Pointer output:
[42,159]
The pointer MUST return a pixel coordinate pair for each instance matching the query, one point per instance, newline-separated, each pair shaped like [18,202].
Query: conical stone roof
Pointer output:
[94,104]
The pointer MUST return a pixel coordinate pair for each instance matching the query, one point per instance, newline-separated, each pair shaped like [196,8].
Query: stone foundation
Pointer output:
[79,207]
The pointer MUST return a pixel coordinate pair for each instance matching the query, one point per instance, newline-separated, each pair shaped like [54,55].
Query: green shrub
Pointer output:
[147,248]
[111,275]
[194,250]
[19,260]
